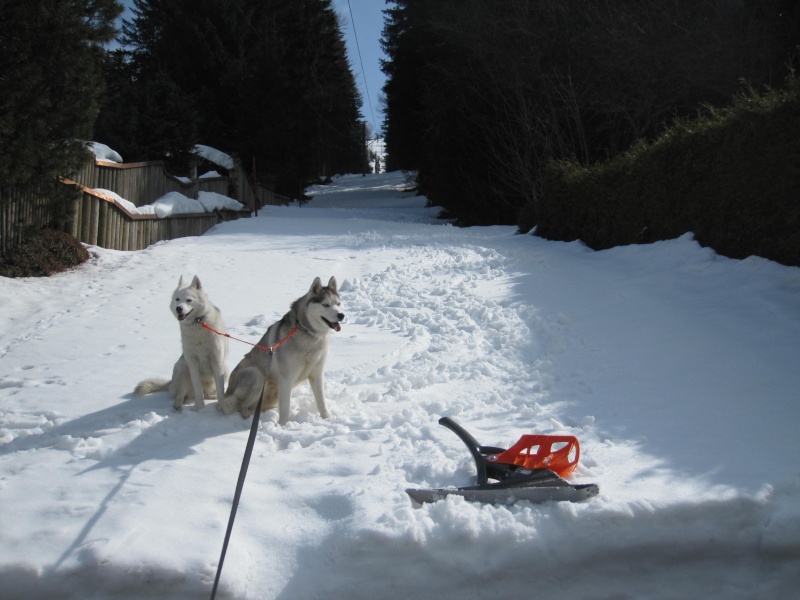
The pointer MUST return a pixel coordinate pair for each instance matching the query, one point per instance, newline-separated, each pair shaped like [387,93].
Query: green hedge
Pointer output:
[731,177]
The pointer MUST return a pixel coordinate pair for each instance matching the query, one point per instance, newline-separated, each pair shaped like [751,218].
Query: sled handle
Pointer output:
[473,446]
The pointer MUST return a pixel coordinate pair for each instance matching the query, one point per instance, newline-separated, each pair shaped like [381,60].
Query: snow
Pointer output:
[677,370]
[214,156]
[119,200]
[175,203]
[212,201]
[103,152]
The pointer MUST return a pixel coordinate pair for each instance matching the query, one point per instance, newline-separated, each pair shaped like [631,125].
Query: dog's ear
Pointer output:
[196,283]
[316,286]
[332,285]
[180,282]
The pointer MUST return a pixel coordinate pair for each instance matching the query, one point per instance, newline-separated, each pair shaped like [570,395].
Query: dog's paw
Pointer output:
[198,405]
[325,414]
[227,405]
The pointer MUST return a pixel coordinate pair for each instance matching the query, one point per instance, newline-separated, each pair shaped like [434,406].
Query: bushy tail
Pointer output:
[148,386]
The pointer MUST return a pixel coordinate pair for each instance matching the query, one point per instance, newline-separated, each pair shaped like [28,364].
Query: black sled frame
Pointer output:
[512,482]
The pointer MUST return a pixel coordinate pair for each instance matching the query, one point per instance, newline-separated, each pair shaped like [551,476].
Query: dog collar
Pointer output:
[297,325]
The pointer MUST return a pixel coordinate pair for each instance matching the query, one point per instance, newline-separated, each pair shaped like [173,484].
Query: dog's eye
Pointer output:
[326,305]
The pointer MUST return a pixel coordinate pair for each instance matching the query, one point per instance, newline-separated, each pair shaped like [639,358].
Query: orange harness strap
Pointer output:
[269,349]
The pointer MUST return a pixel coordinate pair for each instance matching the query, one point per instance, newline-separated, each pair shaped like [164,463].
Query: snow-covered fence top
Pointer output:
[143,182]
[103,218]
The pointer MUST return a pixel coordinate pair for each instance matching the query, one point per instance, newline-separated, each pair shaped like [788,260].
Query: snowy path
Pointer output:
[676,369]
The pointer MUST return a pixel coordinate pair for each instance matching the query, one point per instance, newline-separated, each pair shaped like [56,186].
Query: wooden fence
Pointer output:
[98,220]
[21,208]
[144,182]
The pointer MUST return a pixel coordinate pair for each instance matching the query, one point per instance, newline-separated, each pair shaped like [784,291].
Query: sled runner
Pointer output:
[532,469]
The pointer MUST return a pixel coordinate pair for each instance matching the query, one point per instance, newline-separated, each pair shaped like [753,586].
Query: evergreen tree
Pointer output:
[145,116]
[405,43]
[50,81]
[482,93]
[269,80]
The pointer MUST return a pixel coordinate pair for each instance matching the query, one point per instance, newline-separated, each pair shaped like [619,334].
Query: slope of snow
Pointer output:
[677,370]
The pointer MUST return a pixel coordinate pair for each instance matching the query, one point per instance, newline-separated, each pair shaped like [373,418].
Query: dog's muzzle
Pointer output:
[337,325]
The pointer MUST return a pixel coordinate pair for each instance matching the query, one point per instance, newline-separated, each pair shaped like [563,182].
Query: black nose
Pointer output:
[340,316]
[179,309]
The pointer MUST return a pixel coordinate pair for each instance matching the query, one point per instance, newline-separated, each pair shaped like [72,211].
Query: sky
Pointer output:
[675,368]
[362,24]
[362,20]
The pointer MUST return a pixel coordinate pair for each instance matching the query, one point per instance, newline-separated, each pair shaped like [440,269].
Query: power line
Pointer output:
[363,72]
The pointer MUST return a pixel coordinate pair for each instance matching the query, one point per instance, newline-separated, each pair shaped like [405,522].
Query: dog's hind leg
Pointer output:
[244,389]
[229,403]
[180,386]
[248,406]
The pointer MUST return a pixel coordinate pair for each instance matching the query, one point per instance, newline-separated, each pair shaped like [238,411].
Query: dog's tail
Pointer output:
[148,386]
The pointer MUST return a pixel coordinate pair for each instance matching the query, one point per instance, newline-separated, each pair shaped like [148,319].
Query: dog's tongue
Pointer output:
[335,326]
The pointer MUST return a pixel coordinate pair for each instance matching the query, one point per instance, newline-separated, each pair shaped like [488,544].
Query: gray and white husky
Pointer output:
[200,371]
[301,357]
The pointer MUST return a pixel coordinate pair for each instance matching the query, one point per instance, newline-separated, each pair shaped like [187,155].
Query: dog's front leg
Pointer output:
[316,380]
[197,384]
[284,401]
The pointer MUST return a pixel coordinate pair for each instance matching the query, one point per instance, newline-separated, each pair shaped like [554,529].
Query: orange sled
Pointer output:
[532,469]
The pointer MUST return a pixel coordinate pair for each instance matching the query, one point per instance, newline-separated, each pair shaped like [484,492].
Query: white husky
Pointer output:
[300,357]
[201,370]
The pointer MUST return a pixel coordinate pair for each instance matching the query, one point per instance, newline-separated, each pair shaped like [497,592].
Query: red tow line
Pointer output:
[269,349]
